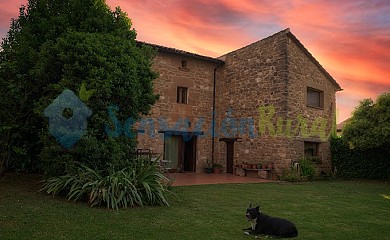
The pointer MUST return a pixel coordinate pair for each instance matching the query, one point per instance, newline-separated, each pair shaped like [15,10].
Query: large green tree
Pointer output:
[64,44]
[369,126]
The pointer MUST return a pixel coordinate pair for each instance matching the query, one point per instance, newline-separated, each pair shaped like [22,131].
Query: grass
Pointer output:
[321,210]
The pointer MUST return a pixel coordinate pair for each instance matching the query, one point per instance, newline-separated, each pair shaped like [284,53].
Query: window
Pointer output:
[311,149]
[184,63]
[315,98]
[182,93]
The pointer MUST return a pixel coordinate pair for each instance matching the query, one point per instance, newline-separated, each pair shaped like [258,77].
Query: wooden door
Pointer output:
[229,156]
[189,161]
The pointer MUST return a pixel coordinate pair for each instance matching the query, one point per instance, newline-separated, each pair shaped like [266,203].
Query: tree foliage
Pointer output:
[56,45]
[369,126]
[363,151]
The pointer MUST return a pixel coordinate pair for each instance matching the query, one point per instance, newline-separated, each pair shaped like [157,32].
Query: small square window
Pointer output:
[311,149]
[182,95]
[184,63]
[315,98]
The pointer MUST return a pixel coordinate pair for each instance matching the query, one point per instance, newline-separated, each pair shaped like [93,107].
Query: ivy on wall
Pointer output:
[355,163]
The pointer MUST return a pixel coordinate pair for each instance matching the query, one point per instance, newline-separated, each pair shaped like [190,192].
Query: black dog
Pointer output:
[263,224]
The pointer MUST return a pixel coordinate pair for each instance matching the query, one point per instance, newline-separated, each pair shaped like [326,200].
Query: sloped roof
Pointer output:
[288,33]
[220,59]
[341,125]
[310,56]
[181,52]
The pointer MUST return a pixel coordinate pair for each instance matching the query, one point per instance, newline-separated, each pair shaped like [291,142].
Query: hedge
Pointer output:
[354,163]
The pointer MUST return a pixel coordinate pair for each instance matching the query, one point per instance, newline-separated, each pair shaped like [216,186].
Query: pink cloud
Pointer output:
[351,39]
[8,10]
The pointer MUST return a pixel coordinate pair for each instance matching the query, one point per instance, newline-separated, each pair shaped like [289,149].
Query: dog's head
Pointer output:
[252,213]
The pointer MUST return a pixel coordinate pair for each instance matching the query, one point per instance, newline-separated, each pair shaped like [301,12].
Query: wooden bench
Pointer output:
[261,173]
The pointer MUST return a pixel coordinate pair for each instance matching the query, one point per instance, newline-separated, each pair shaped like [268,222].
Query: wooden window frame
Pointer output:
[316,148]
[182,95]
[320,93]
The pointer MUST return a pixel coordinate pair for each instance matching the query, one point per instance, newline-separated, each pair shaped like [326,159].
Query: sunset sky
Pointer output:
[351,39]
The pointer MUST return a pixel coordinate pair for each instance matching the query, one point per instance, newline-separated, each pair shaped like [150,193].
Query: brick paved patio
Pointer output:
[186,179]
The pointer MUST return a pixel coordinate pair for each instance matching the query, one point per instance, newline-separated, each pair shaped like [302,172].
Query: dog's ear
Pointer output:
[257,208]
[250,205]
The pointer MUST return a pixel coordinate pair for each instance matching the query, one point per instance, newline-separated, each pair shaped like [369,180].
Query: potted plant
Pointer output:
[217,168]
[208,167]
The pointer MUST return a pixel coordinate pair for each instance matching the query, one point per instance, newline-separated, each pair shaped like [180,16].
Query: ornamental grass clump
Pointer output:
[142,183]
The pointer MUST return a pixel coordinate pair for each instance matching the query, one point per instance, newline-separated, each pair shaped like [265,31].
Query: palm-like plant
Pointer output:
[140,184]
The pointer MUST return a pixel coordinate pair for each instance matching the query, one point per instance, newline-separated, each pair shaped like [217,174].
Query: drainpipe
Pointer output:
[213,115]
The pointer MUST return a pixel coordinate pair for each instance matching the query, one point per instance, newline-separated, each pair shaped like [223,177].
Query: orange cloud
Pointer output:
[351,39]
[181,24]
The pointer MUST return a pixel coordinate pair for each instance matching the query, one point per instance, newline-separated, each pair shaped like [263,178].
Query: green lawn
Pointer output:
[328,210]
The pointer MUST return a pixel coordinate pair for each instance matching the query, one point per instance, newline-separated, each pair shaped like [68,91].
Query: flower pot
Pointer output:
[217,170]
[263,166]
[208,170]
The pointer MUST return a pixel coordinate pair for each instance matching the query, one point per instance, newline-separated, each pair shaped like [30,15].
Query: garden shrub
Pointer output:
[291,175]
[90,151]
[356,163]
[306,171]
[307,168]
[139,184]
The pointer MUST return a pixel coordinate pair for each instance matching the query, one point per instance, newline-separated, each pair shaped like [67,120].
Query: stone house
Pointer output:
[270,101]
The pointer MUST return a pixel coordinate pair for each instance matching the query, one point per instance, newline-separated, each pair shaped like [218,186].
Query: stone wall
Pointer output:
[198,77]
[304,72]
[252,77]
[269,75]
[273,74]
